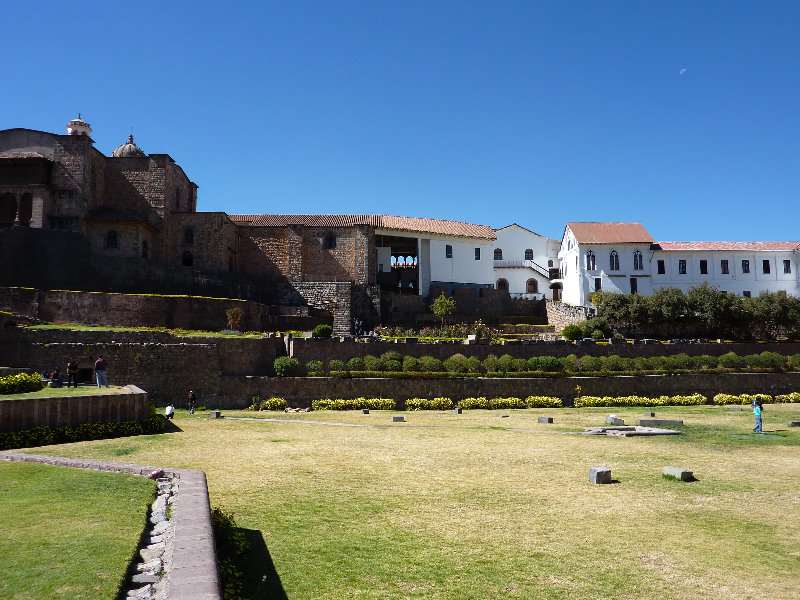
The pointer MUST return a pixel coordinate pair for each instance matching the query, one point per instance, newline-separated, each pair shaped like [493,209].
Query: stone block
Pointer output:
[398,419]
[659,422]
[545,419]
[599,475]
[679,473]
[794,423]
[214,414]
[364,411]
[458,410]
[736,408]
[614,420]
[649,414]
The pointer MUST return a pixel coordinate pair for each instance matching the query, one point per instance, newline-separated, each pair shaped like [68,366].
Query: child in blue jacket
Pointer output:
[757,409]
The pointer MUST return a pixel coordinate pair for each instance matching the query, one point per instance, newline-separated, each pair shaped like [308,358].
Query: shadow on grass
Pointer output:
[171,426]
[260,580]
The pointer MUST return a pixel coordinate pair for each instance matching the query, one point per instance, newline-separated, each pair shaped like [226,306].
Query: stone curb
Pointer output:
[193,538]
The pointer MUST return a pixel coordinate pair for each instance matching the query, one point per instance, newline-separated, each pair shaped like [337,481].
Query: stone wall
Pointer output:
[559,315]
[301,391]
[23,413]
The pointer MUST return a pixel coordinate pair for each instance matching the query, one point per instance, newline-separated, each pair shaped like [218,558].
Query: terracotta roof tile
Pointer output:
[610,233]
[727,246]
[436,226]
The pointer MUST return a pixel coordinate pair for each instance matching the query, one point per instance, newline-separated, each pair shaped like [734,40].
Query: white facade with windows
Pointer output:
[522,260]
[623,258]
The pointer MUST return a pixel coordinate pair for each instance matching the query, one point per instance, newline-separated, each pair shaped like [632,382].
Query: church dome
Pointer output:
[129,149]
[78,127]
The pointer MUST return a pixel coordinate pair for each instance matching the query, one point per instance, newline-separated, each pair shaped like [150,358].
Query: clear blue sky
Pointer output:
[681,115]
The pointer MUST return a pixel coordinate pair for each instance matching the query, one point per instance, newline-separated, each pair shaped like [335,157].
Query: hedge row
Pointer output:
[750,398]
[268,404]
[692,400]
[460,365]
[354,404]
[21,383]
[44,436]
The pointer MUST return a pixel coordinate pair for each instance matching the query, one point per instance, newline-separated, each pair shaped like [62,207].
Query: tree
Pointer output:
[443,306]
[234,316]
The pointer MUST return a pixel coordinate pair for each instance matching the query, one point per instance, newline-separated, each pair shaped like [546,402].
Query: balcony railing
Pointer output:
[524,264]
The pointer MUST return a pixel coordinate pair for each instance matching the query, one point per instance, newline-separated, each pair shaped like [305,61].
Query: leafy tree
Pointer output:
[443,306]
[572,332]
[234,316]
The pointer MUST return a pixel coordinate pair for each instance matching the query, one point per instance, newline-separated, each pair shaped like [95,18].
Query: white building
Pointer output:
[524,262]
[624,258]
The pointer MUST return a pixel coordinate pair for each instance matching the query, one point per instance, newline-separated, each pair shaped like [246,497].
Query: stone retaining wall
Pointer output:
[300,391]
[559,315]
[17,414]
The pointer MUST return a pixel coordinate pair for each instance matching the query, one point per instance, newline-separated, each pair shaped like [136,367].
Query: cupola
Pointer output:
[78,127]
[129,150]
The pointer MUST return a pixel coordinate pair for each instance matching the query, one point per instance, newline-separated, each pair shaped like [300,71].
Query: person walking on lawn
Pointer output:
[100,371]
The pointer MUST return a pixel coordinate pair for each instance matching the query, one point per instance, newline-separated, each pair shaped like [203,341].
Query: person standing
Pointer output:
[757,410]
[191,400]
[100,371]
[72,373]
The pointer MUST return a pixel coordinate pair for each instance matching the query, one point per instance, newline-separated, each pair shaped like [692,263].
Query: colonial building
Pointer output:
[624,258]
[524,262]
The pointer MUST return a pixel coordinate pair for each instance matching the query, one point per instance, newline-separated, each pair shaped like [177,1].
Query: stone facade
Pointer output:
[559,315]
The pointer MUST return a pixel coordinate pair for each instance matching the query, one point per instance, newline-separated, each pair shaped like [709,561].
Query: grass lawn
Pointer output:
[67,533]
[84,390]
[479,506]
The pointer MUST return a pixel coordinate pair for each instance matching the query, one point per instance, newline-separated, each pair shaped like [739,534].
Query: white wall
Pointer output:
[513,240]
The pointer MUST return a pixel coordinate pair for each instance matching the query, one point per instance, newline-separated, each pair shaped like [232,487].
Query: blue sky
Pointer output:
[681,115]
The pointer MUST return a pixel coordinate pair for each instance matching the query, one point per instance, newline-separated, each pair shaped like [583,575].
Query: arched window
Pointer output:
[638,263]
[112,240]
[528,254]
[591,264]
[502,284]
[8,210]
[329,241]
[187,260]
[532,286]
[145,249]
[498,254]
[614,261]
[188,236]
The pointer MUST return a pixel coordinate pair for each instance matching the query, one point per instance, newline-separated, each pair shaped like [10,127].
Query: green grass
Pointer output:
[68,533]
[176,332]
[468,506]
[84,390]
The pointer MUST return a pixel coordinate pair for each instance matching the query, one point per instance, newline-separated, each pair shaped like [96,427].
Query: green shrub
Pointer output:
[392,355]
[677,362]
[255,403]
[613,363]
[773,360]
[230,544]
[373,363]
[791,397]
[286,366]
[490,364]
[597,334]
[314,368]
[591,363]
[551,364]
[705,361]
[355,364]
[505,363]
[354,404]
[457,363]
[519,365]
[411,364]
[543,402]
[426,404]
[507,403]
[470,403]
[21,383]
[336,365]
[272,404]
[322,331]
[393,366]
[572,332]
[731,360]
[474,365]
[694,399]
[741,398]
[794,362]
[429,364]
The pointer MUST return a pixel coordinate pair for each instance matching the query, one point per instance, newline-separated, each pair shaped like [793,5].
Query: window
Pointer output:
[187,260]
[638,263]
[188,236]
[498,254]
[329,241]
[502,284]
[682,267]
[745,266]
[787,266]
[704,267]
[528,254]
[532,286]
[549,263]
[746,293]
[448,251]
[661,267]
[723,267]
[590,261]
[765,266]
[477,253]
[634,285]
[598,284]
[614,260]
[112,240]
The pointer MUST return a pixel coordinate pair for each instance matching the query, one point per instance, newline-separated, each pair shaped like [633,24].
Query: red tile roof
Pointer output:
[610,233]
[415,224]
[728,246]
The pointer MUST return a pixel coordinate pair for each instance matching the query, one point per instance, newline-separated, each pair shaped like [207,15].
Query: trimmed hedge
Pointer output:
[694,399]
[427,404]
[21,383]
[354,404]
[268,404]
[742,398]
[507,403]
[543,402]
[471,403]
[45,436]
[286,366]
[791,397]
